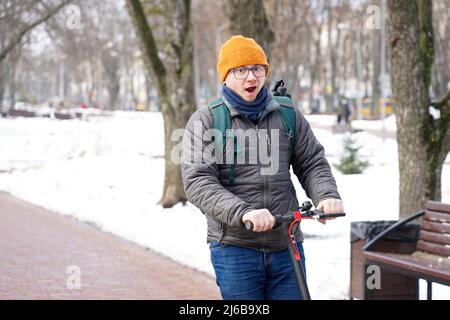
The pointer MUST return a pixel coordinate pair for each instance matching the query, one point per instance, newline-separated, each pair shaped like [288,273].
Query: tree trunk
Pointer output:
[376,88]
[174,81]
[423,142]
[113,90]
[441,72]
[12,86]
[111,71]
[2,91]
[2,83]
[333,98]
[315,65]
[293,83]
[248,18]
[8,74]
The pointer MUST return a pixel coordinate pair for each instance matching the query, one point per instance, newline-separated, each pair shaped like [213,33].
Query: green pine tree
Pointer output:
[350,162]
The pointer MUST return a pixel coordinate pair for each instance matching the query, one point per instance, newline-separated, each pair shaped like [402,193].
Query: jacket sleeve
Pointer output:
[201,175]
[310,165]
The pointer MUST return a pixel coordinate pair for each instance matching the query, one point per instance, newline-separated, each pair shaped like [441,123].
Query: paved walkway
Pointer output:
[42,253]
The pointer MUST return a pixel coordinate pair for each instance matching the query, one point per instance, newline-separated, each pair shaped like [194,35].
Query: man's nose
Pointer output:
[251,76]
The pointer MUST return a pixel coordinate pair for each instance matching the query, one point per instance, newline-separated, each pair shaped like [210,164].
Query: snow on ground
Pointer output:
[389,124]
[330,120]
[109,172]
[325,119]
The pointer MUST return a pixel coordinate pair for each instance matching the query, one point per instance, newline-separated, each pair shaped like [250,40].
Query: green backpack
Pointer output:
[222,122]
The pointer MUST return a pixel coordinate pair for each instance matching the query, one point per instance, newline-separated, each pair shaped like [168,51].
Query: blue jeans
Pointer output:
[247,274]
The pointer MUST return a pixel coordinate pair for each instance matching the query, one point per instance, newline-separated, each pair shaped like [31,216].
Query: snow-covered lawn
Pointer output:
[109,171]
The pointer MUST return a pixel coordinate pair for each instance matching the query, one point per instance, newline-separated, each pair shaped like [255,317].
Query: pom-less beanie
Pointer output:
[239,51]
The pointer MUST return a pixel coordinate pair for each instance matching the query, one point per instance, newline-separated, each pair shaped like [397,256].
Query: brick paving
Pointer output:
[37,248]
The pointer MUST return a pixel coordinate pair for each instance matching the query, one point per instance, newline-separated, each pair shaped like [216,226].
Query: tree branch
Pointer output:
[445,108]
[444,102]
[148,44]
[443,105]
[29,27]
[11,13]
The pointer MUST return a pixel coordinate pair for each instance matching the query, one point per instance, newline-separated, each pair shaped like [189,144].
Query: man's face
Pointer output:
[247,80]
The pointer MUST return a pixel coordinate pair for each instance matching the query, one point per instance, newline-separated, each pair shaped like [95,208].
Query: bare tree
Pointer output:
[248,18]
[172,72]
[289,50]
[23,16]
[423,135]
[208,35]
[333,69]
[314,25]
[441,25]
[8,75]
[102,64]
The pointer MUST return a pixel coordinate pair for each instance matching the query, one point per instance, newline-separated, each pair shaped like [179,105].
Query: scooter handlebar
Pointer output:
[289,217]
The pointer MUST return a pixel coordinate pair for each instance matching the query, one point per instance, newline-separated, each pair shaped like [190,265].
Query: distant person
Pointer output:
[343,112]
[347,111]
[316,106]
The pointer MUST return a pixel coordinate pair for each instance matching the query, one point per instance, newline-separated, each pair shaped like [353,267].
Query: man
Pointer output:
[347,111]
[252,264]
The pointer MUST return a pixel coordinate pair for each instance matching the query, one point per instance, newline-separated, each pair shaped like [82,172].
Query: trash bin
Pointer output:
[393,285]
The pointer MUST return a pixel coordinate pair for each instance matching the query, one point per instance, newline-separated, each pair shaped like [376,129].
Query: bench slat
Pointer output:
[437,206]
[442,238]
[437,216]
[435,226]
[434,248]
[414,264]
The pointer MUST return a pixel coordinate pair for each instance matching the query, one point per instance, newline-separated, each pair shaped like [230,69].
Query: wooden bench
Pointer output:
[429,260]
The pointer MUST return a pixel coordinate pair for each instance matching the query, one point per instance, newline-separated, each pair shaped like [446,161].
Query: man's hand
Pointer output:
[330,206]
[262,219]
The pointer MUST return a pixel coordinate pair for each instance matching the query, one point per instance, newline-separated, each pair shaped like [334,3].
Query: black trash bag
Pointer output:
[367,230]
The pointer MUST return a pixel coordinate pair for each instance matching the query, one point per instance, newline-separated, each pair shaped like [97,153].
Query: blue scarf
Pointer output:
[251,110]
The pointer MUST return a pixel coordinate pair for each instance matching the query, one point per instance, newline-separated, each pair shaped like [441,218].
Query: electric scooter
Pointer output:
[293,218]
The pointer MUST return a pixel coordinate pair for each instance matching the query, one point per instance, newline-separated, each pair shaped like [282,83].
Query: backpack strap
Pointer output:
[287,116]
[221,117]
[222,122]
[283,101]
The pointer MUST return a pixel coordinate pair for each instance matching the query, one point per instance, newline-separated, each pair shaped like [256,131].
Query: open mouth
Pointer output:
[250,89]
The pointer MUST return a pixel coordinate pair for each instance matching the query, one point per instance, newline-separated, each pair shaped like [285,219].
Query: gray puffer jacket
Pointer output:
[257,184]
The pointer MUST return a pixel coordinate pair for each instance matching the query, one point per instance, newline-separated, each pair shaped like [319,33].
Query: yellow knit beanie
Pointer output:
[239,51]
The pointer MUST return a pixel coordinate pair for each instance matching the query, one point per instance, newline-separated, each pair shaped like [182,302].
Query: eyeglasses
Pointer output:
[241,73]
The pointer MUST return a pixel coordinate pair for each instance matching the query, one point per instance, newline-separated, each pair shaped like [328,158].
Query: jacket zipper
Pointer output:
[263,178]
[263,184]
[265,190]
